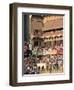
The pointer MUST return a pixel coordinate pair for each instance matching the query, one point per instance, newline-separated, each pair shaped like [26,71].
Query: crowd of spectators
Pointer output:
[52,58]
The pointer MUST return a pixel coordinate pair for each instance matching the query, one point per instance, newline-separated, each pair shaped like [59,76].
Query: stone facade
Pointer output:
[46,29]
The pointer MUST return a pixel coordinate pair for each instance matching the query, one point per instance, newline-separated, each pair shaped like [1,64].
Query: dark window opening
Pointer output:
[36,43]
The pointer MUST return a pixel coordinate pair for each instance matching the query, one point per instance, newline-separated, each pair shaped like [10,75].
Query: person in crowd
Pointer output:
[34,51]
[27,51]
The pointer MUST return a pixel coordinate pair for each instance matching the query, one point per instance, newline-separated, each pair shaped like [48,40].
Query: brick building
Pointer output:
[46,30]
